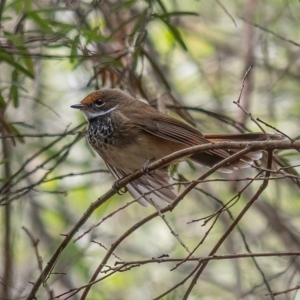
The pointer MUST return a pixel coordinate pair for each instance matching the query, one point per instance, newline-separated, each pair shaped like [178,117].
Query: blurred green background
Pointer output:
[187,58]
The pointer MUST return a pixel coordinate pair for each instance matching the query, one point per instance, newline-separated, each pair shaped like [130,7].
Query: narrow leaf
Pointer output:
[42,22]
[2,102]
[14,92]
[14,130]
[63,26]
[162,6]
[74,48]
[9,59]
[176,13]
[175,32]
[49,10]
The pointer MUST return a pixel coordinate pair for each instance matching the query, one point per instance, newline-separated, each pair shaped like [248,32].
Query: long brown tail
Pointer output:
[208,159]
[256,136]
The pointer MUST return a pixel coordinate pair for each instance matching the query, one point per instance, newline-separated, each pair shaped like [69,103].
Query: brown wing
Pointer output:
[169,128]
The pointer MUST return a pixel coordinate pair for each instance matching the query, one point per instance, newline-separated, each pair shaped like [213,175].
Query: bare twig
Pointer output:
[104,218]
[271,32]
[101,245]
[297,287]
[35,243]
[274,128]
[208,258]
[251,117]
[243,84]
[231,227]
[7,224]
[285,144]
[168,208]
[40,135]
[226,12]
[173,232]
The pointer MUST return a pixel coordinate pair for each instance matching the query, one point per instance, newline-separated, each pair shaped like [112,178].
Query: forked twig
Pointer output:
[201,266]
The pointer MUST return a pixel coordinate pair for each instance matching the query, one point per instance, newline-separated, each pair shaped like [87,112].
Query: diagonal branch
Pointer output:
[168,208]
[202,266]
[265,145]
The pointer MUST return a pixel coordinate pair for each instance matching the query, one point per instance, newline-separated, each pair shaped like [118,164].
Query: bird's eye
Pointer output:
[99,102]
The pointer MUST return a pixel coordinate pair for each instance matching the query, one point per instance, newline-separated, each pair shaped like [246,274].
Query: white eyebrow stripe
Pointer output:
[90,115]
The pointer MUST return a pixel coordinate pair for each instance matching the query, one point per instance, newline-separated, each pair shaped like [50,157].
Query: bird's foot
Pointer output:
[117,189]
[146,169]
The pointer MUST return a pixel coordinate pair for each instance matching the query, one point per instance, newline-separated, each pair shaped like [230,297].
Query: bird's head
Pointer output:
[102,102]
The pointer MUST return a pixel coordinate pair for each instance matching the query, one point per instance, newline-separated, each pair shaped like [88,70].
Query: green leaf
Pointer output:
[176,13]
[17,5]
[63,26]
[28,5]
[173,169]
[3,161]
[23,124]
[74,48]
[6,19]
[125,4]
[157,69]
[10,60]
[23,51]
[92,35]
[175,32]
[2,102]
[14,130]
[162,6]
[15,38]
[48,10]
[19,86]
[28,61]
[42,22]
[14,92]
[191,164]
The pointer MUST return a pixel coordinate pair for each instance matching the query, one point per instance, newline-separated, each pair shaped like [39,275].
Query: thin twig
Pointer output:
[251,117]
[297,287]
[274,128]
[231,227]
[243,84]
[170,207]
[35,243]
[271,32]
[208,258]
[40,135]
[226,12]
[286,144]
[173,232]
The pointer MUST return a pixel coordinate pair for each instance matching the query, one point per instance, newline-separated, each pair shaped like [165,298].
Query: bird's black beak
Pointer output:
[77,106]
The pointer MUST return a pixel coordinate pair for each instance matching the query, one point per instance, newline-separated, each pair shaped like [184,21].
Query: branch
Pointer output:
[138,263]
[202,266]
[265,145]
[208,258]
[271,32]
[168,208]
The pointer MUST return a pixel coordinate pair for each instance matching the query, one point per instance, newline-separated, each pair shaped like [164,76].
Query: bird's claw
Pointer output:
[146,169]
[117,189]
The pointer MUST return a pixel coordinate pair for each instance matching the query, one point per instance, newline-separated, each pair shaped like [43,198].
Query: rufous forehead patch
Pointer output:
[91,97]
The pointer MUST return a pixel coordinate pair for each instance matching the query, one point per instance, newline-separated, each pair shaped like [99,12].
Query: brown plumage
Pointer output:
[128,134]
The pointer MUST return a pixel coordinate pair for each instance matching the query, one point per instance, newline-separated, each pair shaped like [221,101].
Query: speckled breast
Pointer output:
[100,133]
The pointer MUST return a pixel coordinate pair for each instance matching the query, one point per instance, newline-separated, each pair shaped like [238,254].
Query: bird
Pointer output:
[128,134]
